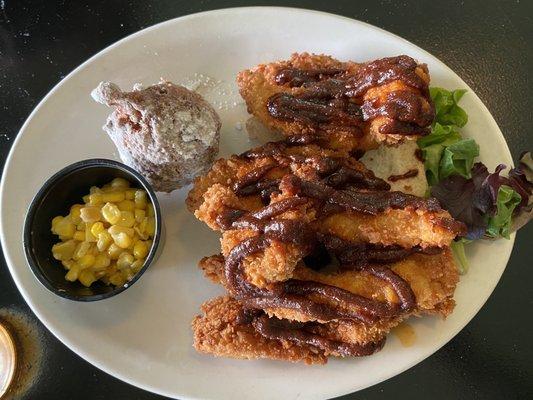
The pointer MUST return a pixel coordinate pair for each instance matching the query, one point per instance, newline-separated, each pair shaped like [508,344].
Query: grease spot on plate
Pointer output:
[405,333]
[28,341]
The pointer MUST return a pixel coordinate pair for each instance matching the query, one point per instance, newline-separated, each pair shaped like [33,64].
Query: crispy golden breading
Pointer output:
[214,193]
[408,227]
[258,85]
[275,264]
[432,278]
[218,332]
[226,172]
[308,202]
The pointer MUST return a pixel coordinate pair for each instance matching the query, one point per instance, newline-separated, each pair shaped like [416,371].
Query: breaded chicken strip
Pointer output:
[432,279]
[219,332]
[407,227]
[353,106]
[269,162]
[415,224]
[410,222]
[234,184]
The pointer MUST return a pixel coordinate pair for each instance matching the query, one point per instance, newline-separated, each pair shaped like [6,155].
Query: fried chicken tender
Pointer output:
[355,106]
[215,193]
[432,278]
[219,332]
[301,160]
[408,227]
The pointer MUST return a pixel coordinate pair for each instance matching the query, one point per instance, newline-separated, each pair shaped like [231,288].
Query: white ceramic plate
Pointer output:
[143,336]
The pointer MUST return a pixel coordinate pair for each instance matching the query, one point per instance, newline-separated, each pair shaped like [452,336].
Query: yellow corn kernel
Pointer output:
[130,194]
[75,213]
[90,214]
[79,236]
[101,261]
[150,226]
[114,251]
[116,229]
[99,274]
[137,265]
[140,199]
[86,277]
[96,199]
[141,228]
[111,269]
[126,205]
[63,227]
[104,240]
[150,210]
[81,249]
[55,221]
[134,240]
[122,240]
[120,183]
[64,250]
[127,219]
[111,213]
[94,250]
[73,273]
[140,250]
[68,263]
[139,215]
[125,260]
[117,279]
[127,273]
[86,261]
[89,237]
[113,197]
[97,228]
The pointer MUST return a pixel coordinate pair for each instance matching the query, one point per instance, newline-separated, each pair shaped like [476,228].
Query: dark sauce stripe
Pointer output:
[273,328]
[330,97]
[292,293]
[409,174]
[250,179]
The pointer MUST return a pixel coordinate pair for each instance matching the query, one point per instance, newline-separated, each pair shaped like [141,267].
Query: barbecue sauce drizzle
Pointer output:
[331,96]
[334,189]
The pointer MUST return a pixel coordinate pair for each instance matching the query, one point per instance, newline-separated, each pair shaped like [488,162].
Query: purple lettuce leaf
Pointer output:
[466,199]
[473,201]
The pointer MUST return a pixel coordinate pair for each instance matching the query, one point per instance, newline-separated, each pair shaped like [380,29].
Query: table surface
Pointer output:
[488,43]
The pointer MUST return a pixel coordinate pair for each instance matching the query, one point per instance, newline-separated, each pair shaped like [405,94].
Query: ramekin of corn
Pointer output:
[92,230]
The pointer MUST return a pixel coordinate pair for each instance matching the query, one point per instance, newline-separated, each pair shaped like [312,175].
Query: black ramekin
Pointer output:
[57,195]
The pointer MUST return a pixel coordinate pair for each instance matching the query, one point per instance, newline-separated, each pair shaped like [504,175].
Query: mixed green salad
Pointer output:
[489,204]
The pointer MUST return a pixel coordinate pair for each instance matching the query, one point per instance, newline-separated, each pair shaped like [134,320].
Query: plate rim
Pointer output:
[117,374]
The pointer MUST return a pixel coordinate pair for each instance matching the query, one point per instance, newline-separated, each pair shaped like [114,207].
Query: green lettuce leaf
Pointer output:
[440,134]
[432,156]
[447,111]
[458,158]
[458,250]
[506,202]
[445,152]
